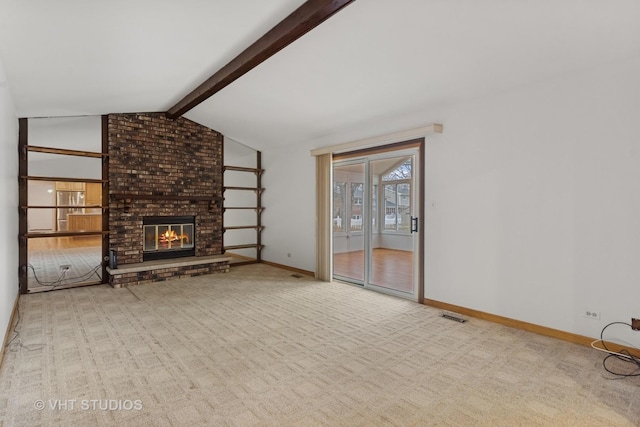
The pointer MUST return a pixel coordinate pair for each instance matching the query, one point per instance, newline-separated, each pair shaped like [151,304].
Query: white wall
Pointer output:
[399,242]
[533,202]
[289,200]
[8,204]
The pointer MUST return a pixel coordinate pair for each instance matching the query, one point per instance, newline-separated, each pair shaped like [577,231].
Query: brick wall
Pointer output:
[152,155]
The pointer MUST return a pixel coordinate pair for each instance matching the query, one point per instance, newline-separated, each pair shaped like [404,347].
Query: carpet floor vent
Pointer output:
[453,316]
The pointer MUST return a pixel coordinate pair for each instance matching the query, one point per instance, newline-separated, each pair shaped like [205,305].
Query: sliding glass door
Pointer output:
[376,222]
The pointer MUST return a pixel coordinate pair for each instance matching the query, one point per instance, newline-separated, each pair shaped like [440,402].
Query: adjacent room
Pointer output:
[320,212]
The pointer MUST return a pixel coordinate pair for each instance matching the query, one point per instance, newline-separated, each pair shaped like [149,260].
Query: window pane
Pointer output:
[390,207]
[404,207]
[357,193]
[402,172]
[339,204]
[374,208]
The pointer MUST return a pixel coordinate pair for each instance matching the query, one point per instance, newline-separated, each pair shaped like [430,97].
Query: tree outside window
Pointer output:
[397,198]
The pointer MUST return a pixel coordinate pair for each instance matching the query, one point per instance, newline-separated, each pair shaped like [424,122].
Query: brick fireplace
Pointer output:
[160,167]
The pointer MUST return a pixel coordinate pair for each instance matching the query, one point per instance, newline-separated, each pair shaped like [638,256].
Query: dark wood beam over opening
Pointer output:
[304,19]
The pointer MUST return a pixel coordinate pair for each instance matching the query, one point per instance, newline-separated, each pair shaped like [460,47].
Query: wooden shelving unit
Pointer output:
[95,190]
[258,208]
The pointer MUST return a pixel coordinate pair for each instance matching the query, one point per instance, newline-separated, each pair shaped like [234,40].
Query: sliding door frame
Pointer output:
[419,144]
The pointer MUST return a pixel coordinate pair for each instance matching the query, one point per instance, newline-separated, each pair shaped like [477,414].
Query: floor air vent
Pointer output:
[453,316]
[296,275]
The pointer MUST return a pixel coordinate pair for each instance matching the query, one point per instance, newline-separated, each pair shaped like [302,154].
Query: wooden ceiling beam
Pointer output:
[304,19]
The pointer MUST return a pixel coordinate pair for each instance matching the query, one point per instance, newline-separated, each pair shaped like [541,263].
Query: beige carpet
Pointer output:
[257,346]
[44,271]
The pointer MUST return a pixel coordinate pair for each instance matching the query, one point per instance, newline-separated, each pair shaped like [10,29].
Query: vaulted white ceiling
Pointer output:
[377,66]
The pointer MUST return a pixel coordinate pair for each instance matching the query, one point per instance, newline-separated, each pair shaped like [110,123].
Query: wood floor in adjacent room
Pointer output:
[260,347]
[390,268]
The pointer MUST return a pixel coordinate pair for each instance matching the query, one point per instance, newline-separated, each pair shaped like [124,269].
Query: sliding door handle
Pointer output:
[414,224]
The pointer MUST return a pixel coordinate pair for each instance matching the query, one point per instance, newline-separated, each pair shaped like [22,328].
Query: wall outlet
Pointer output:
[635,324]
[65,267]
[592,314]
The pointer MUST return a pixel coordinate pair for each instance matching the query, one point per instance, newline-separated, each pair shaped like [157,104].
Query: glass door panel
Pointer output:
[391,259]
[348,221]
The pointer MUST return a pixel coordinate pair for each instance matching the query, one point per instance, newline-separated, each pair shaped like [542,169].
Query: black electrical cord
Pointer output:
[15,328]
[42,283]
[61,280]
[85,276]
[19,343]
[624,355]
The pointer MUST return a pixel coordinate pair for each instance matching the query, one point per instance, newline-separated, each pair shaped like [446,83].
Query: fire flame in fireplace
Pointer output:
[172,236]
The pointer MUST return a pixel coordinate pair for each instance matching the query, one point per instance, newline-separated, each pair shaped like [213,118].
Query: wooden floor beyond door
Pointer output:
[391,268]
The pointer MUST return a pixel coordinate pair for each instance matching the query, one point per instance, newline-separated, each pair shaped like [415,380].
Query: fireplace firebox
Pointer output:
[168,237]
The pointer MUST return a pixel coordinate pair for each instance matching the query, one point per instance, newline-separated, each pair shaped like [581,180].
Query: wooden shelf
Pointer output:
[249,246]
[66,207]
[36,149]
[242,207]
[243,169]
[244,188]
[245,227]
[65,234]
[60,179]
